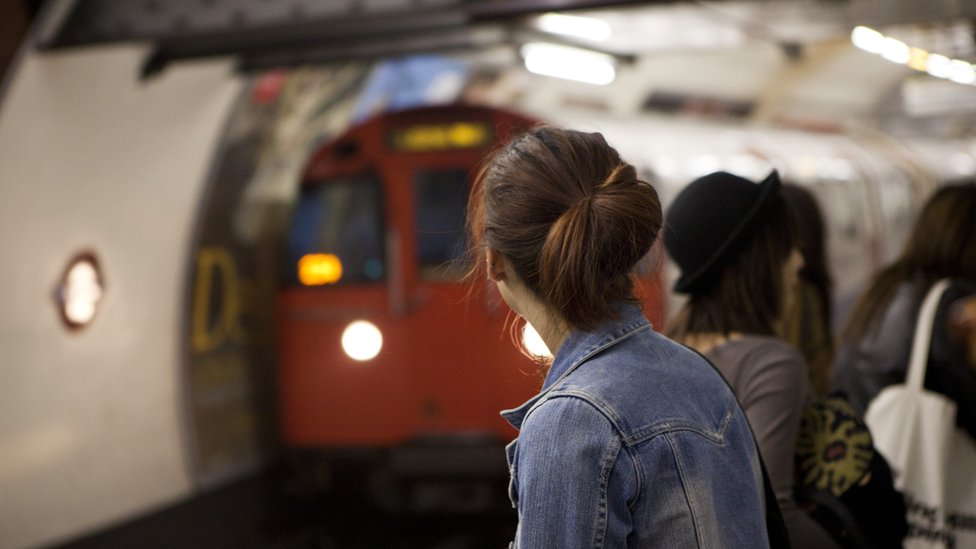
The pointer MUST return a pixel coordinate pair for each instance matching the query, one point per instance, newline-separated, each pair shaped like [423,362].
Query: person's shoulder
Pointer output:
[647,350]
[646,380]
[763,359]
[564,410]
[765,349]
[556,405]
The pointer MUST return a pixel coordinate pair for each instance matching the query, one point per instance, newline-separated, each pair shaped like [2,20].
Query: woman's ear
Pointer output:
[496,265]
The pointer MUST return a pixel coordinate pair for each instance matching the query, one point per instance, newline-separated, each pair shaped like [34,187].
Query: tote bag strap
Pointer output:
[915,377]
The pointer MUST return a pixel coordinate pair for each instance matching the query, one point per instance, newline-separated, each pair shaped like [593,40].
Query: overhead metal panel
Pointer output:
[265,33]
[95,21]
[894,12]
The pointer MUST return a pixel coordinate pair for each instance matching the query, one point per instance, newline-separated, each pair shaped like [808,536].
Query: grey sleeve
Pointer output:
[864,367]
[774,391]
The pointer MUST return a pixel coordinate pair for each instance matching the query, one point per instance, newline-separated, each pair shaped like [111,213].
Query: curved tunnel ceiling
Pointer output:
[815,72]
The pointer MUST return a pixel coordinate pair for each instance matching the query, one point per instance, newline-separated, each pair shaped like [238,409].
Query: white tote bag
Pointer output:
[933,461]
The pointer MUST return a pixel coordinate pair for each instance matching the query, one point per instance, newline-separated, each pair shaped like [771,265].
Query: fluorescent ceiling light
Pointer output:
[918,58]
[868,39]
[899,52]
[962,72]
[938,65]
[896,51]
[586,28]
[569,63]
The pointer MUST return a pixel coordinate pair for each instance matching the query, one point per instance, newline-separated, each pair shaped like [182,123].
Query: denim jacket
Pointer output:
[634,441]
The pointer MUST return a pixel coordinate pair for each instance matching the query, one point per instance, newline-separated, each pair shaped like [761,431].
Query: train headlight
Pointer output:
[362,340]
[532,342]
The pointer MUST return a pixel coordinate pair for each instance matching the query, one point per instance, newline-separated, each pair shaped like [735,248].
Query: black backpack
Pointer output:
[843,482]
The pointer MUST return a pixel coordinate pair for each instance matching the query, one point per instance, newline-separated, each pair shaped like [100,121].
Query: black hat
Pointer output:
[709,216]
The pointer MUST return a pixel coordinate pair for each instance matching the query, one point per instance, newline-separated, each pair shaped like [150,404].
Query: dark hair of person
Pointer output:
[942,244]
[571,217]
[811,241]
[807,323]
[746,293]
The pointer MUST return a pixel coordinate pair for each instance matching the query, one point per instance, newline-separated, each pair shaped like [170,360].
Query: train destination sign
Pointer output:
[419,138]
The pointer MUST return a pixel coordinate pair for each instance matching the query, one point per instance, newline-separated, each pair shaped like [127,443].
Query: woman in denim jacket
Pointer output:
[634,441]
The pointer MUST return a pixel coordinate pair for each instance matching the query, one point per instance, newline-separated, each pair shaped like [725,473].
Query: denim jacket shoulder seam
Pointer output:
[645,433]
[590,399]
[669,426]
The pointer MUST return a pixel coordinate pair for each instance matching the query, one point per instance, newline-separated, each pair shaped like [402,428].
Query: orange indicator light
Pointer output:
[319,269]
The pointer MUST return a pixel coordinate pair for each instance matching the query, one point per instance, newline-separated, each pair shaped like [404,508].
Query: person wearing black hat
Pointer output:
[734,242]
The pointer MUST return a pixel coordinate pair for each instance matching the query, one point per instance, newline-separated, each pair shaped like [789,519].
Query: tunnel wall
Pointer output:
[91,422]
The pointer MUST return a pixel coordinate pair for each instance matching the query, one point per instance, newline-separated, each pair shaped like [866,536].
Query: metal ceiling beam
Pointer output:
[211,22]
[895,12]
[380,33]
[316,31]
[458,40]
[99,21]
[502,9]
[263,32]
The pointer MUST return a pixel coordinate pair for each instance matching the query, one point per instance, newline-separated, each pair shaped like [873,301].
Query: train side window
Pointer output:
[440,198]
[845,215]
[336,234]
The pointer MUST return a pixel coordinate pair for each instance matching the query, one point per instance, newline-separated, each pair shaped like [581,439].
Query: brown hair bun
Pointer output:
[571,217]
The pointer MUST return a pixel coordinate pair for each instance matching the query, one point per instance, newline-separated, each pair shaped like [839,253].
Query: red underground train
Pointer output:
[387,358]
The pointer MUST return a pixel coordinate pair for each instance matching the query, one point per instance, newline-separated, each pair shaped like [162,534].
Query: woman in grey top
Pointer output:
[735,244]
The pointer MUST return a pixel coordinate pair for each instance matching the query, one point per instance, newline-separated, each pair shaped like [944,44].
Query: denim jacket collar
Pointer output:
[576,349]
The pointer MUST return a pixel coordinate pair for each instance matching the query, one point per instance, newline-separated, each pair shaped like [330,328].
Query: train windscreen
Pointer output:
[336,234]
[440,198]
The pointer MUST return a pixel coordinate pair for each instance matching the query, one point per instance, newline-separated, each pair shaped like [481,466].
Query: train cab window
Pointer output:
[440,198]
[336,234]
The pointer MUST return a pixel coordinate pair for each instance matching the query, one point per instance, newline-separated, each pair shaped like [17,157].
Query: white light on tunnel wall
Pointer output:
[532,342]
[569,63]
[362,340]
[80,291]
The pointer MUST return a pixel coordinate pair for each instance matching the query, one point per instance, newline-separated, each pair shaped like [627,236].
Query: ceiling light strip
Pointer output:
[918,59]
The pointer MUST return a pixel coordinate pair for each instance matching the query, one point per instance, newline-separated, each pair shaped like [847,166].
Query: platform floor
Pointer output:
[254,512]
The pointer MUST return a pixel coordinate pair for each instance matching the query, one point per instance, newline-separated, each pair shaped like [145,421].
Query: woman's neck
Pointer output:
[704,342]
[552,329]
[554,337]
